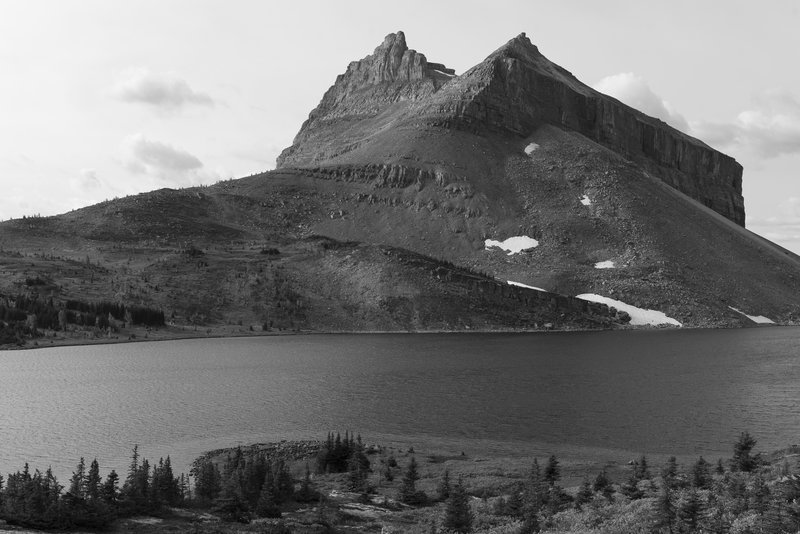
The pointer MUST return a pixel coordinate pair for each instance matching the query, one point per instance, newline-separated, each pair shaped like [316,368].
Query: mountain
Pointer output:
[518,146]
[383,212]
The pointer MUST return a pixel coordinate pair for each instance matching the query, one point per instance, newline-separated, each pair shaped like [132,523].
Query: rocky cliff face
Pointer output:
[392,73]
[515,91]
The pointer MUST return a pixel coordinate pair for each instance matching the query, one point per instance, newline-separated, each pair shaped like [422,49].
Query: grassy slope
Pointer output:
[252,287]
[672,253]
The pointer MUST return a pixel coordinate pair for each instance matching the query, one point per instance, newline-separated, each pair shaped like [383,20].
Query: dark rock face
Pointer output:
[392,73]
[517,89]
[513,92]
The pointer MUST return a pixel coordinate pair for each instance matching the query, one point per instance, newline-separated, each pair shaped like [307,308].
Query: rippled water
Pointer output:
[677,391]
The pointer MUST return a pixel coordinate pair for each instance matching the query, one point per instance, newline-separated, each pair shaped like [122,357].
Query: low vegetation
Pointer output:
[343,485]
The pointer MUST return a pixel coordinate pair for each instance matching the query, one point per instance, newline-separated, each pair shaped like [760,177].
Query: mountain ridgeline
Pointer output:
[383,213]
[515,90]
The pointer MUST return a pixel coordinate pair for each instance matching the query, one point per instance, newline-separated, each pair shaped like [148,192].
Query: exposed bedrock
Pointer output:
[517,89]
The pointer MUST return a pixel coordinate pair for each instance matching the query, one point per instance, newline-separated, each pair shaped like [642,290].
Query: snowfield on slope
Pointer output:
[639,316]
[586,201]
[513,244]
[608,264]
[526,286]
[531,148]
[758,319]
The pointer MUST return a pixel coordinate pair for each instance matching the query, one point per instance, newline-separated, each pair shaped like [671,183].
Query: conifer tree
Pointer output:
[230,504]
[759,494]
[284,483]
[690,512]
[408,490]
[715,519]
[720,470]
[110,491]
[585,493]
[664,510]
[630,488]
[357,475]
[208,483]
[552,471]
[267,505]
[534,498]
[76,483]
[93,480]
[443,489]
[458,516]
[602,485]
[307,493]
[254,473]
[701,474]
[669,473]
[743,459]
[641,470]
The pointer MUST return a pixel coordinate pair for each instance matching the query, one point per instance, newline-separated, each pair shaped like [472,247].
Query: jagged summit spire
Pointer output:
[398,38]
[392,73]
[519,45]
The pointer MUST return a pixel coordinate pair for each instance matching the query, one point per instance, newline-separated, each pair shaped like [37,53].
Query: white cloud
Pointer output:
[770,128]
[783,226]
[86,181]
[163,91]
[164,161]
[633,90]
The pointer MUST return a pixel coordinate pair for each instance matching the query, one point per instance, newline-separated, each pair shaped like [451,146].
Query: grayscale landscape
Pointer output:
[467,297]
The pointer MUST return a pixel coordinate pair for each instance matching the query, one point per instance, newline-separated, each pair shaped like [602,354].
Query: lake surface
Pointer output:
[684,392]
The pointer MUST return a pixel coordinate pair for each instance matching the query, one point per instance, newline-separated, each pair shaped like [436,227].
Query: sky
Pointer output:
[101,99]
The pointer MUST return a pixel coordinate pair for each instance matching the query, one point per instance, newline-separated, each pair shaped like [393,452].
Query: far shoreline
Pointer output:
[189,333]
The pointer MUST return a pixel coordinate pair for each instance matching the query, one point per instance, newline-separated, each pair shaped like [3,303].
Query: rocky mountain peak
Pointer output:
[392,73]
[519,44]
[513,93]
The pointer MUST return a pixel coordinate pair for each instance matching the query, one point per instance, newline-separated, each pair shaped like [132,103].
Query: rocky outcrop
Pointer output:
[392,73]
[382,175]
[513,92]
[516,89]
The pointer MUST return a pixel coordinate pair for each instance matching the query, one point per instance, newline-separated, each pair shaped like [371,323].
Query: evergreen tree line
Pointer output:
[22,316]
[18,310]
[37,499]
[338,454]
[540,496]
[249,486]
[91,312]
[742,494]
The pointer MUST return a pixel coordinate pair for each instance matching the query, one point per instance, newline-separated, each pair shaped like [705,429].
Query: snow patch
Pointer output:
[608,264]
[758,319]
[518,284]
[531,148]
[639,316]
[586,201]
[512,244]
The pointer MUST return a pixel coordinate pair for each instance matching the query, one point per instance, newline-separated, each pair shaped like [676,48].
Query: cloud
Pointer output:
[770,128]
[163,91]
[634,91]
[783,226]
[86,181]
[163,161]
